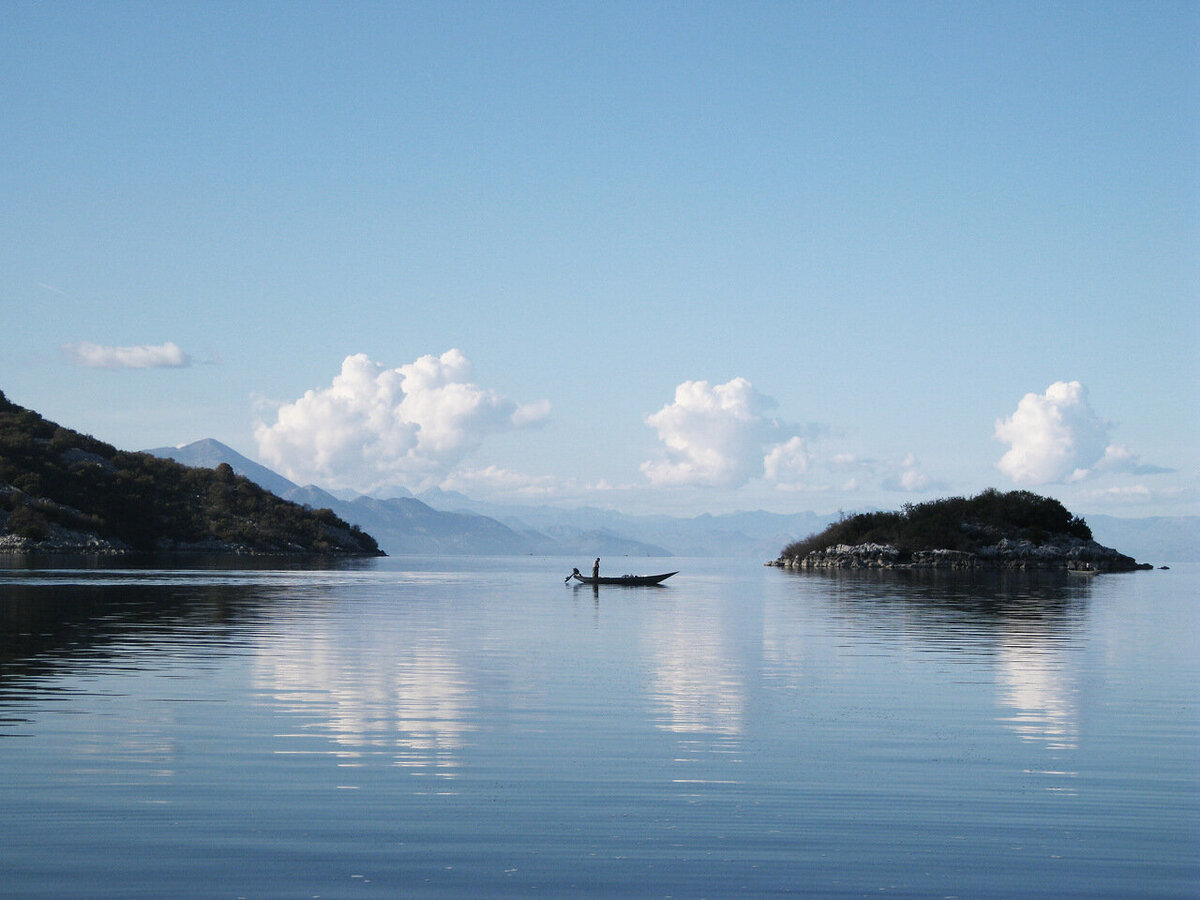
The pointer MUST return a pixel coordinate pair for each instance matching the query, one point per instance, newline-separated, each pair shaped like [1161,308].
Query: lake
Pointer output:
[475,728]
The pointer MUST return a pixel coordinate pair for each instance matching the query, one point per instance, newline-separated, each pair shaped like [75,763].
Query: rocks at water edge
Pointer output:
[1064,553]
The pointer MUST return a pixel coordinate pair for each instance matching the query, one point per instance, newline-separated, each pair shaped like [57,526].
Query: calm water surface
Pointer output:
[456,729]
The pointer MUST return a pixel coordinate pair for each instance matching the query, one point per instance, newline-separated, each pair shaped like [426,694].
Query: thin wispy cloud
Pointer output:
[1138,493]
[98,356]
[1057,438]
[494,481]
[54,290]
[376,427]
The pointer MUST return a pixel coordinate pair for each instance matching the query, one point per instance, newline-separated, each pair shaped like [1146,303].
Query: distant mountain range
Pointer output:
[439,522]
[407,525]
[1157,539]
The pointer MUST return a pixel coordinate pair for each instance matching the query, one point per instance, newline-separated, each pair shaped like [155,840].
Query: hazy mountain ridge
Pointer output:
[407,525]
[753,534]
[442,522]
[1163,539]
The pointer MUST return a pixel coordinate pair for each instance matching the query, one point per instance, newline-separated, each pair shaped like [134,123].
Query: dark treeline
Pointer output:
[954,523]
[53,476]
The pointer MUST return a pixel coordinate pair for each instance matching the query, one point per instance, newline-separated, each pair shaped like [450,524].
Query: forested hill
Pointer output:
[62,491]
[1018,529]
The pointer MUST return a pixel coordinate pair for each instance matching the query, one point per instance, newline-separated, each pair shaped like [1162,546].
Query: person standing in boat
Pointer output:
[596,568]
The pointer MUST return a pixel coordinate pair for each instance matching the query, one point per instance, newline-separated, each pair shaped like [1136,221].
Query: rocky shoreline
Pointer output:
[66,542]
[63,541]
[1063,554]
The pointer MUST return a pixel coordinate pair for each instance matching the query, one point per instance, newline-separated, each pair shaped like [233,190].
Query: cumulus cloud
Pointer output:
[97,356]
[913,480]
[721,436]
[375,427]
[787,462]
[908,477]
[1056,438]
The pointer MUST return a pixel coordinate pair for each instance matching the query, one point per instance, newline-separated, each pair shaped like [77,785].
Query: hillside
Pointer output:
[1018,529]
[62,491]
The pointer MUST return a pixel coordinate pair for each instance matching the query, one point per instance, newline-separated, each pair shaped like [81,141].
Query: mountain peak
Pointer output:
[208,453]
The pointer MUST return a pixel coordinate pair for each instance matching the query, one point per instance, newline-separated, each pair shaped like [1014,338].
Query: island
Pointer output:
[63,492]
[992,530]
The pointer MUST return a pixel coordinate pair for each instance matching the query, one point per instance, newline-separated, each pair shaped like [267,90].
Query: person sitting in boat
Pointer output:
[596,568]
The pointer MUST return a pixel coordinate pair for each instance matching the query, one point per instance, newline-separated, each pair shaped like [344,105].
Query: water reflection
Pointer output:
[694,683]
[413,706]
[363,690]
[1033,680]
[1043,595]
[977,608]
[111,651]
[48,626]
[743,733]
[1022,627]
[699,695]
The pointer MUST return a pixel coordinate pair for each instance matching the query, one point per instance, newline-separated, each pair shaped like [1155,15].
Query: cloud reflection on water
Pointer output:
[1040,704]
[1031,679]
[698,694]
[413,707]
[695,686]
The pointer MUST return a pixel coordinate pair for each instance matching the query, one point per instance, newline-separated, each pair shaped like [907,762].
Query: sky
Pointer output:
[656,257]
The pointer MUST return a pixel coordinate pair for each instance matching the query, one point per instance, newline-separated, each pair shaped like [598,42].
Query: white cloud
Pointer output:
[96,356]
[721,436]
[854,473]
[785,463]
[1056,438]
[492,481]
[375,427]
[910,477]
[1119,458]
[712,435]
[1126,492]
[1142,499]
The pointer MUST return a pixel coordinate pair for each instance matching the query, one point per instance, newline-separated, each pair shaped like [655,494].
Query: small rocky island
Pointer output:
[993,530]
[62,492]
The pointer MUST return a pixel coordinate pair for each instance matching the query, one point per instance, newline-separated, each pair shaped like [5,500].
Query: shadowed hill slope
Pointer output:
[62,491]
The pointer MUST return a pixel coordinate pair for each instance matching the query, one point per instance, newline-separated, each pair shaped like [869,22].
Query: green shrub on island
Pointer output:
[55,481]
[954,523]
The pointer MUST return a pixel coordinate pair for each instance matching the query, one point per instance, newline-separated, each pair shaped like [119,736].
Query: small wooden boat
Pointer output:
[642,580]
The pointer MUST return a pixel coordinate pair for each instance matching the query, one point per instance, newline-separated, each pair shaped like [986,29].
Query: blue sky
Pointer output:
[675,257]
